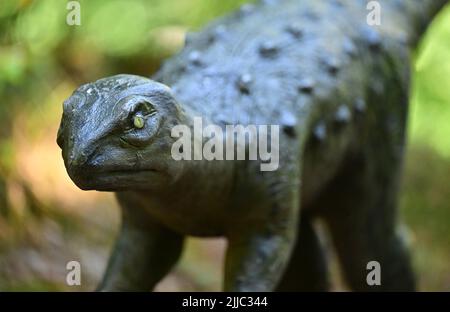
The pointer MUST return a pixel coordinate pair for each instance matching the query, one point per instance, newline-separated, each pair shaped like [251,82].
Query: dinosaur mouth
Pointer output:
[127,171]
[119,179]
[118,173]
[113,177]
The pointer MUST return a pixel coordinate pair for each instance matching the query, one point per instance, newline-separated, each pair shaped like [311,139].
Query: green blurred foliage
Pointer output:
[430,114]
[42,60]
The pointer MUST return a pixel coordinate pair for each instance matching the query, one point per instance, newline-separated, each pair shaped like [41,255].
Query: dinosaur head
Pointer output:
[115,134]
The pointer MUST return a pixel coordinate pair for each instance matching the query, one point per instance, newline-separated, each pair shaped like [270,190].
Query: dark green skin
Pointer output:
[339,91]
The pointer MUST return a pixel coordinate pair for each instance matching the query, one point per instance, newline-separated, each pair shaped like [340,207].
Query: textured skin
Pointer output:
[339,90]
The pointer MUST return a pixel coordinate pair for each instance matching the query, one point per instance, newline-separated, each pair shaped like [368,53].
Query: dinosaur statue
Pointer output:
[338,90]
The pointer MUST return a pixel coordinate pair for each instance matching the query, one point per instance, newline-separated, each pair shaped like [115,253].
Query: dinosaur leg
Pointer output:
[143,255]
[259,250]
[255,261]
[307,269]
[362,217]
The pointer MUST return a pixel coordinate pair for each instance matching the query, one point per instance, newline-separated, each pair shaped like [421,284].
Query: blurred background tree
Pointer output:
[45,221]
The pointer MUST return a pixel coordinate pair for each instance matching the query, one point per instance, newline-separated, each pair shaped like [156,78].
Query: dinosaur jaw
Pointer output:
[119,179]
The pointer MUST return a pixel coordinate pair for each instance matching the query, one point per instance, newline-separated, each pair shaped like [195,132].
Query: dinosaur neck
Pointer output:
[190,161]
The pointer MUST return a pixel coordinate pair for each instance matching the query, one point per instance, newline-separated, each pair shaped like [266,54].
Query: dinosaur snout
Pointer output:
[77,160]
[80,163]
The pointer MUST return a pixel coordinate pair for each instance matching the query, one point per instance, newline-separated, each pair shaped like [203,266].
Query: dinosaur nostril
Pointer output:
[71,158]
[77,159]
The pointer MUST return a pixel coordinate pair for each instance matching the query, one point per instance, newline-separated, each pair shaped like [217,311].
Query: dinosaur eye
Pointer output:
[138,121]
[139,115]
